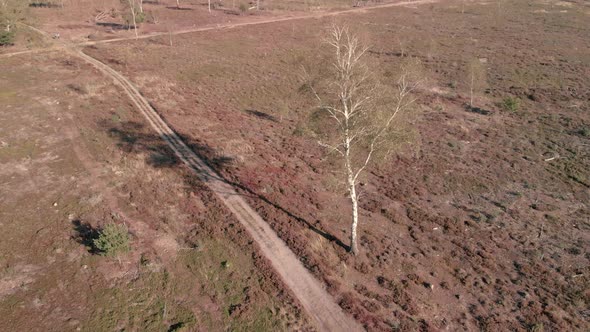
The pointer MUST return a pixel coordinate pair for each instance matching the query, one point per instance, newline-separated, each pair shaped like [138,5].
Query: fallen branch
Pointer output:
[552,158]
[100,16]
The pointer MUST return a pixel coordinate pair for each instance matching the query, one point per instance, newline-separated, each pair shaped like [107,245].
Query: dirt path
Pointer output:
[311,294]
[266,21]
[233,25]
[318,304]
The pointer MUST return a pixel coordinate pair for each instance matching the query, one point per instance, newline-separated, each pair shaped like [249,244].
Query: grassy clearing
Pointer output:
[221,268]
[146,304]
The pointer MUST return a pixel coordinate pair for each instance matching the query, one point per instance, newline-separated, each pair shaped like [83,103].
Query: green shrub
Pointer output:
[584,131]
[243,7]
[511,104]
[140,17]
[113,239]
[6,38]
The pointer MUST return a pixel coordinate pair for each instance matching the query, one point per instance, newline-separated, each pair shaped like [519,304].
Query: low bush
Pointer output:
[139,18]
[6,38]
[511,104]
[112,240]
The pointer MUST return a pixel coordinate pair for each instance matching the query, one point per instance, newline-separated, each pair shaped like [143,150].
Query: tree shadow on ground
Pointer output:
[231,11]
[85,235]
[261,115]
[114,26]
[384,53]
[43,4]
[133,137]
[474,109]
[178,8]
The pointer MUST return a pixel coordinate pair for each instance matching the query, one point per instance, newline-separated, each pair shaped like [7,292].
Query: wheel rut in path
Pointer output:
[325,314]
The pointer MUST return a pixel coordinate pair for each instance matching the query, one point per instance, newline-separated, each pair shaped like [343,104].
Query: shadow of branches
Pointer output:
[133,137]
[85,235]
[114,26]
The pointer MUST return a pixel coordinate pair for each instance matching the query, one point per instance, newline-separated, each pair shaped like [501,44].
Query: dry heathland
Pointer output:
[479,221]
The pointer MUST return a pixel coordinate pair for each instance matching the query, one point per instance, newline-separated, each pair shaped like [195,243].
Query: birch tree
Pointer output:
[359,123]
[133,9]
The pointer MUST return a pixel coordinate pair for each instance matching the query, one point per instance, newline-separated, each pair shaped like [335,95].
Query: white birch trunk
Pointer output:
[134,20]
[355,214]
[351,177]
[471,88]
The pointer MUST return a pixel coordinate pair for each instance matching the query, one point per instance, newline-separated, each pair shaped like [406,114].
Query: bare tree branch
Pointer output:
[354,112]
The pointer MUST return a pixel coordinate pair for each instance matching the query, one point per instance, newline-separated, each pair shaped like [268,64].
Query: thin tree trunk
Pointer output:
[134,22]
[178,4]
[257,4]
[471,89]
[355,219]
[351,187]
[209,4]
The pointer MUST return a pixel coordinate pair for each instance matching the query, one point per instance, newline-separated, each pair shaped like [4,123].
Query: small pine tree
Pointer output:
[113,239]
[7,38]
[511,104]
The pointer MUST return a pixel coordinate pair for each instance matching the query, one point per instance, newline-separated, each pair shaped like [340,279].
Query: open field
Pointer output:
[470,206]
[90,21]
[65,173]
[481,220]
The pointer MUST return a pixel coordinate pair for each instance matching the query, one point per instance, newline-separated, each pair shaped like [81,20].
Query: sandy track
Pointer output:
[325,314]
[266,21]
[233,25]
[318,304]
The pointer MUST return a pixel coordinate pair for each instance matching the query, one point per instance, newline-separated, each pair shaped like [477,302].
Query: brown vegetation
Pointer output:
[479,222]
